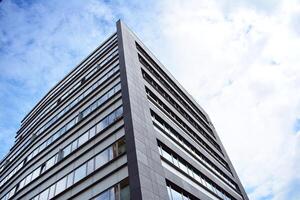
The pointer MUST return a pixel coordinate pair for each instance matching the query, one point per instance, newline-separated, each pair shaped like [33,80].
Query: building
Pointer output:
[118,126]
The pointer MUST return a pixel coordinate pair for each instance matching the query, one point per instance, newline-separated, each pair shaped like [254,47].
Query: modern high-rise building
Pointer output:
[118,127]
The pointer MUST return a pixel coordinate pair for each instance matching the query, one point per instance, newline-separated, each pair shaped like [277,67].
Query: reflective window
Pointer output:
[44,195]
[82,139]
[70,179]
[79,173]
[61,185]
[101,159]
[51,191]
[90,166]
[67,150]
[92,132]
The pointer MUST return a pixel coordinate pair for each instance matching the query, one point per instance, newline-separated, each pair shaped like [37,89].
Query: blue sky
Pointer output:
[239,59]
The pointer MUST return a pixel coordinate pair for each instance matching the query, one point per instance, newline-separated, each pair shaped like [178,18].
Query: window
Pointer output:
[176,195]
[44,195]
[74,145]
[52,191]
[125,191]
[183,167]
[102,125]
[121,147]
[90,166]
[83,139]
[92,132]
[61,185]
[70,179]
[104,196]
[66,151]
[50,163]
[36,173]
[79,173]
[101,159]
[70,124]
[166,155]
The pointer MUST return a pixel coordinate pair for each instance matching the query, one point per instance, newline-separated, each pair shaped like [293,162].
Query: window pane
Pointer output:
[92,132]
[51,191]
[70,179]
[61,185]
[101,159]
[90,166]
[67,150]
[70,124]
[176,195]
[80,173]
[36,173]
[103,196]
[101,125]
[183,167]
[74,145]
[125,193]
[169,192]
[82,139]
[50,162]
[166,155]
[44,195]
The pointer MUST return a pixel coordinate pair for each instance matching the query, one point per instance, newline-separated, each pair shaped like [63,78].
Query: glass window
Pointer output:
[55,136]
[36,173]
[101,159]
[51,191]
[82,139]
[102,125]
[118,87]
[121,147]
[70,179]
[92,132]
[50,162]
[169,192]
[70,124]
[90,166]
[85,112]
[42,146]
[22,183]
[119,112]
[79,173]
[74,145]
[67,150]
[62,130]
[94,106]
[103,196]
[111,118]
[49,141]
[183,167]
[61,185]
[197,177]
[28,179]
[166,155]
[125,192]
[44,195]
[176,195]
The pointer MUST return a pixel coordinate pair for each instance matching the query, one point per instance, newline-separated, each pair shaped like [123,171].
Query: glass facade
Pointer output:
[83,171]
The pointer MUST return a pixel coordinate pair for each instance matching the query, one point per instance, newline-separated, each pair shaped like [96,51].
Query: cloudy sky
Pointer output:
[238,58]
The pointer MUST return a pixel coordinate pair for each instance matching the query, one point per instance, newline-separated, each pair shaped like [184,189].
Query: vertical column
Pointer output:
[146,174]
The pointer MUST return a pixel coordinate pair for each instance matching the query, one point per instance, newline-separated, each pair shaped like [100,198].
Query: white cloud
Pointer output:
[241,64]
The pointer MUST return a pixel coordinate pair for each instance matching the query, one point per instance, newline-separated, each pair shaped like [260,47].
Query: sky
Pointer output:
[238,58]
